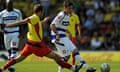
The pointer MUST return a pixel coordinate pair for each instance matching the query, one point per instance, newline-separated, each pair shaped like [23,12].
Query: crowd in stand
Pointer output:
[100,24]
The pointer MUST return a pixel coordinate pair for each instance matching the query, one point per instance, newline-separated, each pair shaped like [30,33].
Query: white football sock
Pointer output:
[60,69]
[77,57]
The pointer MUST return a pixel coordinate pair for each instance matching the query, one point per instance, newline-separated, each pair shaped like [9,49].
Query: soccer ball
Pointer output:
[105,67]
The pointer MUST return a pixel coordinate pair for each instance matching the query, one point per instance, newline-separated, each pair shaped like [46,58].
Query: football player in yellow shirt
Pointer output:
[74,27]
[35,44]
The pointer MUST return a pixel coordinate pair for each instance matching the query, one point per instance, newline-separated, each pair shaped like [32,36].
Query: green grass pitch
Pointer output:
[51,66]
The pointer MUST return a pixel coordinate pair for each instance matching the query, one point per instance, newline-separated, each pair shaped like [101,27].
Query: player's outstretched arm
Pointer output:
[17,23]
[53,28]
[45,20]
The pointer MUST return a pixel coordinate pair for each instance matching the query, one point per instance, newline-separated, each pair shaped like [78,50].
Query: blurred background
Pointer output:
[99,22]
[100,32]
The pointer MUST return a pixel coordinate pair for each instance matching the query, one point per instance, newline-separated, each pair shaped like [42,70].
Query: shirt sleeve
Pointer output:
[20,15]
[1,19]
[58,18]
[77,20]
[32,20]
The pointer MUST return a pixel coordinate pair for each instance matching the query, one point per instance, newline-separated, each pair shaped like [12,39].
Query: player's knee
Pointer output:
[75,51]
[53,56]
[16,49]
[57,58]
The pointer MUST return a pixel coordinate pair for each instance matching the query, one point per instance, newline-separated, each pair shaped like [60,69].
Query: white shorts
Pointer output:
[11,40]
[65,46]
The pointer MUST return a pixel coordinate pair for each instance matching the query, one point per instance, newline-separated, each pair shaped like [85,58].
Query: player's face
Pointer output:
[40,13]
[69,9]
[9,5]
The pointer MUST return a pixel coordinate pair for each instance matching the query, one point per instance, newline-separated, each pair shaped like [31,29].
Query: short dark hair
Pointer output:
[68,3]
[37,8]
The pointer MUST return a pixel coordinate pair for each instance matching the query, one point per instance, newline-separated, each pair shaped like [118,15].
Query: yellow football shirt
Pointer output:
[35,32]
[108,17]
[74,20]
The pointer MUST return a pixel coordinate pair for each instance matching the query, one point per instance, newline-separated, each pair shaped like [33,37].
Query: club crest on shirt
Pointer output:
[14,43]
[59,17]
[65,23]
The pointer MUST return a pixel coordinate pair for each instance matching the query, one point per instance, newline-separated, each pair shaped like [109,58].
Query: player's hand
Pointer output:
[57,38]
[46,19]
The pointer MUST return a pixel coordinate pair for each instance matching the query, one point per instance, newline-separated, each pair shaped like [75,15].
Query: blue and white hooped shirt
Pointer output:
[7,17]
[61,22]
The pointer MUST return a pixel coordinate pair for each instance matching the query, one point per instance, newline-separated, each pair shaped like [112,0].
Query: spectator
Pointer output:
[118,42]
[99,16]
[2,4]
[46,5]
[90,11]
[110,41]
[108,15]
[89,25]
[114,3]
[96,43]
[89,3]
[84,43]
[98,4]
[116,18]
[116,22]
[76,6]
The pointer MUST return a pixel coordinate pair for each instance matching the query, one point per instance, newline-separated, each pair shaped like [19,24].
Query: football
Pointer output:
[105,67]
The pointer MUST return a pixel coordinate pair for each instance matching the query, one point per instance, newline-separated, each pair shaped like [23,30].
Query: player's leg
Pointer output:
[13,50]
[25,52]
[75,51]
[58,59]
[82,61]
[62,63]
[7,42]
[14,45]
[11,44]
[13,61]
[11,68]
[66,58]
[73,59]
[73,39]
[78,57]
[63,52]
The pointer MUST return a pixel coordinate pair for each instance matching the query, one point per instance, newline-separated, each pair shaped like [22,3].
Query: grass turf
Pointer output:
[50,66]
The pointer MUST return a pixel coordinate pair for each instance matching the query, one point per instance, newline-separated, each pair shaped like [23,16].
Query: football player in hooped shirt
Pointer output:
[58,34]
[11,35]
[35,44]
